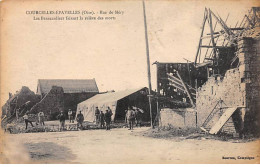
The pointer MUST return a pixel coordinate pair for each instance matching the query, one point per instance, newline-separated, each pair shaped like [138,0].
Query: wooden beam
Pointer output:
[223,24]
[211,33]
[177,86]
[178,81]
[205,46]
[186,89]
[205,37]
[174,78]
[201,34]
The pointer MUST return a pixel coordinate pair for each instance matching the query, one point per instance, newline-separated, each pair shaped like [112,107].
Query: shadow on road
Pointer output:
[48,152]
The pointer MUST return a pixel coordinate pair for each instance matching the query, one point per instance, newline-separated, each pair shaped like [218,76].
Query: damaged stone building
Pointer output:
[18,103]
[52,96]
[221,86]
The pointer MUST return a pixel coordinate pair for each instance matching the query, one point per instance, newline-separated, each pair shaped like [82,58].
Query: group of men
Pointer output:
[79,118]
[102,118]
[40,119]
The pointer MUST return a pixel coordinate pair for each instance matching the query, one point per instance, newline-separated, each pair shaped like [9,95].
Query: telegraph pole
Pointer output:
[148,64]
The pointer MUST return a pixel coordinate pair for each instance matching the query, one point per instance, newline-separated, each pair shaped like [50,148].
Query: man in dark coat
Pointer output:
[97,112]
[80,119]
[108,119]
[62,118]
[102,119]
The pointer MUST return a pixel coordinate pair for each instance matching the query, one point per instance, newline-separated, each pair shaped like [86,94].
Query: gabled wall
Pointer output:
[238,88]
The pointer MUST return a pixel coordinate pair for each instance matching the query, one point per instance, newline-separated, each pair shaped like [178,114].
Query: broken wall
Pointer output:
[18,100]
[217,88]
[51,104]
[238,88]
[180,118]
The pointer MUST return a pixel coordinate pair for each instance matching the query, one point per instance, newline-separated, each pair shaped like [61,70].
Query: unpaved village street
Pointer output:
[123,146]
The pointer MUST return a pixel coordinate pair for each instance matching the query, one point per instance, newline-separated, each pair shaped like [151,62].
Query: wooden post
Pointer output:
[203,25]
[212,33]
[148,64]
[157,75]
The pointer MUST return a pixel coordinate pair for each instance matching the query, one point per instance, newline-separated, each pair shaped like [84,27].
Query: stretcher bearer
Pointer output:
[26,120]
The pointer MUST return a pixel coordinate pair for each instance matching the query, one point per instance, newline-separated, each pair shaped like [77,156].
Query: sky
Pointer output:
[112,52]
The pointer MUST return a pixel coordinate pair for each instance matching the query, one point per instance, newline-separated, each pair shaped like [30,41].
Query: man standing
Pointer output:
[108,120]
[62,118]
[26,120]
[80,119]
[102,119]
[130,115]
[97,112]
[70,116]
[41,118]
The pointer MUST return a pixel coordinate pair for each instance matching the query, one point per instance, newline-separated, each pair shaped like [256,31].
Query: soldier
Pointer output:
[130,116]
[97,112]
[108,119]
[26,120]
[102,119]
[70,116]
[41,118]
[62,118]
[110,111]
[80,119]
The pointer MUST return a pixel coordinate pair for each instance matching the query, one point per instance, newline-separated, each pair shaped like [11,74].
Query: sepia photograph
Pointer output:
[130,82]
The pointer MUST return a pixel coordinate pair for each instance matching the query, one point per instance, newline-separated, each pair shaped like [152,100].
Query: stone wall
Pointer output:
[249,66]
[238,88]
[51,104]
[215,89]
[178,117]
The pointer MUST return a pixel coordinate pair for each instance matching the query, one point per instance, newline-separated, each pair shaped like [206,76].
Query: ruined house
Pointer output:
[22,101]
[227,94]
[63,94]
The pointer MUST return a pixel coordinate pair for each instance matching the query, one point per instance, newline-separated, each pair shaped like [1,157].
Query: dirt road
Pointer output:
[123,146]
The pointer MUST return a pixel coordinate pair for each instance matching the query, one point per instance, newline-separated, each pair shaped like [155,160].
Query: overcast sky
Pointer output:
[112,52]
